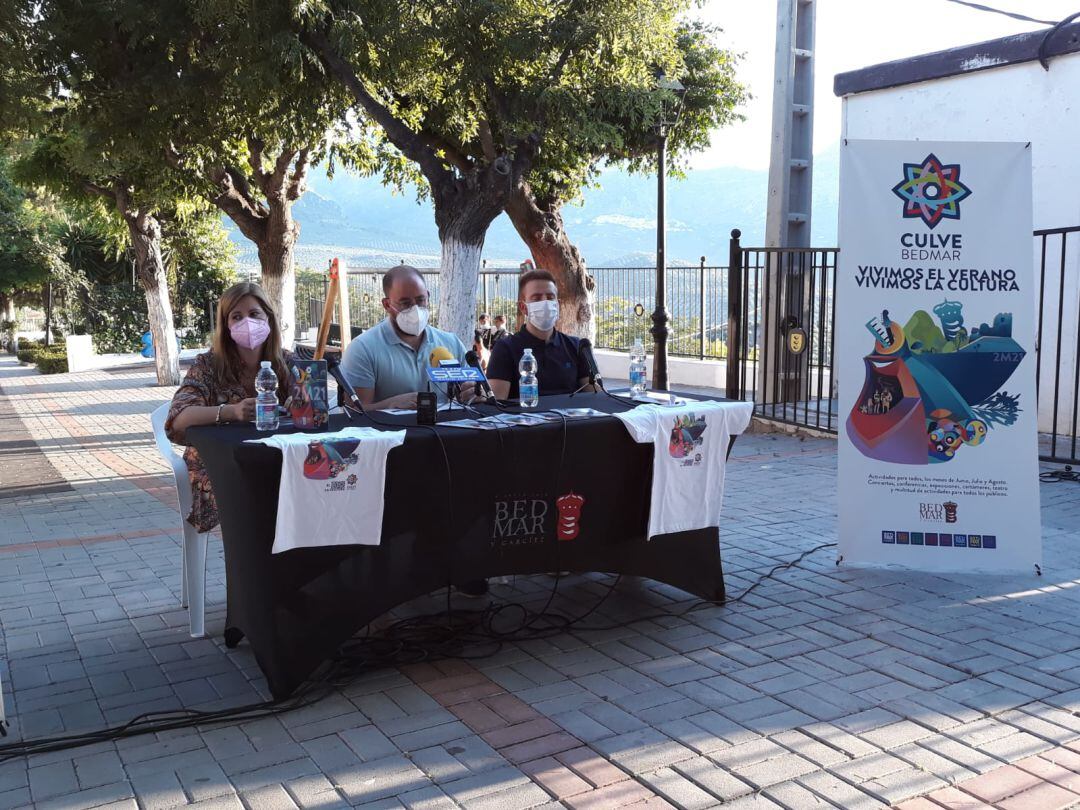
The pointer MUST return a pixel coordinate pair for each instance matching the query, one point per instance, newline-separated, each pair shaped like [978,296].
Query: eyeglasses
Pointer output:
[408,303]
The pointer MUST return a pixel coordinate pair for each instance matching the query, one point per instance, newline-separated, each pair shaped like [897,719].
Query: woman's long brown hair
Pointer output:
[227,362]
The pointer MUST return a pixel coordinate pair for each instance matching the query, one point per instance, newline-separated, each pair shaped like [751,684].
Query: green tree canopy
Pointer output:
[618,123]
[98,145]
[29,248]
[246,115]
[482,98]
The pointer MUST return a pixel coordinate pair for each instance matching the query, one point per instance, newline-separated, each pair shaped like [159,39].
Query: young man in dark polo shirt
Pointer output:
[560,370]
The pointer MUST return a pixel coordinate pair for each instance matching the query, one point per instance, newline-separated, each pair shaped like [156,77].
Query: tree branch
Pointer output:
[487,143]
[122,195]
[238,204]
[172,156]
[94,188]
[410,143]
[281,169]
[454,153]
[525,153]
[255,160]
[298,181]
[560,66]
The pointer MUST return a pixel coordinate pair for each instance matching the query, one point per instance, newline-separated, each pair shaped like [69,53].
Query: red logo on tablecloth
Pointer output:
[569,506]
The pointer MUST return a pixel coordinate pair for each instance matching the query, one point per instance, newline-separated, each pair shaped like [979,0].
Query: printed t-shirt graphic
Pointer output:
[689,457]
[332,487]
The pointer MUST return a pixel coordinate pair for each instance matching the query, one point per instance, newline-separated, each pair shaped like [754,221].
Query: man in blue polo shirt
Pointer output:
[560,369]
[387,364]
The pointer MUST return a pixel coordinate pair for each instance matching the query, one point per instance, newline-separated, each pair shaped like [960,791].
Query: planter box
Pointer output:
[80,352]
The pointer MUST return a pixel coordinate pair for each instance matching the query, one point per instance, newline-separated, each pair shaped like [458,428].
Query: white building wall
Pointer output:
[1013,103]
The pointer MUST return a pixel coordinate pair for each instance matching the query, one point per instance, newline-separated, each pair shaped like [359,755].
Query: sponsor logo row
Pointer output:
[940,540]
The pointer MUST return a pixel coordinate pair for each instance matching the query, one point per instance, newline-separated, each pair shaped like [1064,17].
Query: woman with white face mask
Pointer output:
[220,386]
[561,370]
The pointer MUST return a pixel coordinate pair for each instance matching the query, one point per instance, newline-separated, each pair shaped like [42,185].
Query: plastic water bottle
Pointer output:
[266,414]
[637,369]
[529,385]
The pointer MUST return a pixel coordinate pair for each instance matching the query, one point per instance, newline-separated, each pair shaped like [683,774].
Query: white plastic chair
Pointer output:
[193,562]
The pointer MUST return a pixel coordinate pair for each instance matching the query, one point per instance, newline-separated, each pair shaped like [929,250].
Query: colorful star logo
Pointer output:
[931,191]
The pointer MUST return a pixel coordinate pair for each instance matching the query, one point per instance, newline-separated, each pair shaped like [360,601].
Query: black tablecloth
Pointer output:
[296,608]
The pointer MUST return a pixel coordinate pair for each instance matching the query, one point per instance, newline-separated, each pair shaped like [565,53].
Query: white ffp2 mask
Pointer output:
[543,314]
[412,321]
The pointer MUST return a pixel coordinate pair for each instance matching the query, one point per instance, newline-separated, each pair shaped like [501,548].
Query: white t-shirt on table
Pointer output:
[332,487]
[690,444]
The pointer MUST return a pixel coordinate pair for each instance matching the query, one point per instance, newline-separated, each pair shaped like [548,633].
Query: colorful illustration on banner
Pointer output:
[931,191]
[687,435]
[930,390]
[327,460]
[569,507]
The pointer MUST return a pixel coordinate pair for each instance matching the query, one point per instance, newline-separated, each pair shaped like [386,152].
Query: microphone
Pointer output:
[585,353]
[333,368]
[441,356]
[440,353]
[482,387]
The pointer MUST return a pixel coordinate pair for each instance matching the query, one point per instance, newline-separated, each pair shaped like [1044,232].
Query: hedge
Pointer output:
[52,363]
[49,359]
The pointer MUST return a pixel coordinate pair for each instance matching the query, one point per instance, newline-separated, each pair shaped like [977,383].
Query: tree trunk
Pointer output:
[146,240]
[48,314]
[269,222]
[459,271]
[464,209]
[277,259]
[540,226]
[7,307]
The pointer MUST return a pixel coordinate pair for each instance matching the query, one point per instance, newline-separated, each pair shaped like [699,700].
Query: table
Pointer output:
[499,518]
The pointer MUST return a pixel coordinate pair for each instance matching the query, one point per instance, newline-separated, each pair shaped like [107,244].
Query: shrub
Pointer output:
[52,363]
[33,351]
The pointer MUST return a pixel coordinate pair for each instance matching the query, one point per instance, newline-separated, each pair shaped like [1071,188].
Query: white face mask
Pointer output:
[412,321]
[543,314]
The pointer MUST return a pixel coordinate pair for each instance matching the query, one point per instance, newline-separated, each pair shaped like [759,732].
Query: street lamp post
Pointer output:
[660,317]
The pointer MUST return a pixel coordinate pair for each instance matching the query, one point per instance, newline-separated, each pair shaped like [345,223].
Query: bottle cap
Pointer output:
[264,363]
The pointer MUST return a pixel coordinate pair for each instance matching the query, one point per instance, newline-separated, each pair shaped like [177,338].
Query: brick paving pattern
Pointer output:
[826,687]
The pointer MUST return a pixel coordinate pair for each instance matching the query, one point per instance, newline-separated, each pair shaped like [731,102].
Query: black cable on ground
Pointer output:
[1054,476]
[452,633]
[455,633]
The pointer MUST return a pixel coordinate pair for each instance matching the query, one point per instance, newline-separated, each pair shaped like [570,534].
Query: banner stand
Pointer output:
[935,352]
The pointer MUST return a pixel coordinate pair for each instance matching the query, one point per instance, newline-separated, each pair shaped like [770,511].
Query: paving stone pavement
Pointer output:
[826,687]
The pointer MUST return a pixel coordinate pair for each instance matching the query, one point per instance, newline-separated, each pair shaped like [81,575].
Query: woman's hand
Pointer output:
[242,411]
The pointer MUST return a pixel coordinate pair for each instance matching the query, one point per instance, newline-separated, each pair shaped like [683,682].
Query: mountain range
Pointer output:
[368,225]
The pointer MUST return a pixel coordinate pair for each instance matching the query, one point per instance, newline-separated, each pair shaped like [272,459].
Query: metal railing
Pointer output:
[1057,370]
[720,313]
[623,302]
[783,317]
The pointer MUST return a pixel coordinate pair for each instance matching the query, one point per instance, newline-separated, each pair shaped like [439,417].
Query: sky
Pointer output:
[850,34]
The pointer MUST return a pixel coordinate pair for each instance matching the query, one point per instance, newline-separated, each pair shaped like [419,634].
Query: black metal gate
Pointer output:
[1057,373]
[781,319]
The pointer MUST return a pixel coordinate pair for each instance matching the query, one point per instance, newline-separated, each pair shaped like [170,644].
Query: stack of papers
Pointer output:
[654,398]
[525,419]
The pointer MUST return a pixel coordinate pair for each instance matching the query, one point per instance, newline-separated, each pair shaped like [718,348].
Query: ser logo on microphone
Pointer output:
[449,374]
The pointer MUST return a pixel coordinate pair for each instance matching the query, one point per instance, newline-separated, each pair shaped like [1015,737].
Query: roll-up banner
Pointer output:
[935,337]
